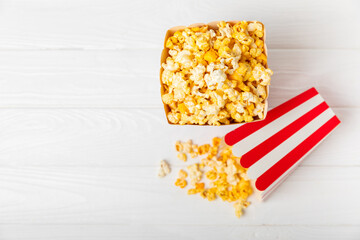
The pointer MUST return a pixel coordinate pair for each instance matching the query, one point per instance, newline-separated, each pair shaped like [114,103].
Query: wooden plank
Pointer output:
[158,232]
[112,24]
[129,78]
[126,137]
[134,195]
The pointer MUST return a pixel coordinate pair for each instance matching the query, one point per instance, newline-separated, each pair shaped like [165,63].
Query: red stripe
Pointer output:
[245,130]
[265,180]
[268,145]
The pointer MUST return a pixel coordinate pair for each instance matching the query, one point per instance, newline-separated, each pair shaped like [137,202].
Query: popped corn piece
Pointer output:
[188,146]
[215,79]
[203,194]
[211,175]
[255,52]
[259,43]
[224,52]
[231,172]
[167,77]
[259,33]
[254,26]
[203,41]
[178,146]
[248,118]
[168,98]
[194,173]
[216,141]
[259,110]
[180,183]
[262,74]
[197,75]
[262,58]
[170,65]
[182,108]
[244,176]
[249,97]
[182,157]
[200,186]
[238,209]
[213,150]
[184,58]
[173,117]
[203,149]
[182,174]
[211,56]
[169,44]
[193,154]
[164,169]
[210,195]
[192,191]
[224,29]
[239,206]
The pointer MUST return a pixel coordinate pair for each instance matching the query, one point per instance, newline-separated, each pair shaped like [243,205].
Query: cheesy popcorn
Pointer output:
[216,76]
[225,178]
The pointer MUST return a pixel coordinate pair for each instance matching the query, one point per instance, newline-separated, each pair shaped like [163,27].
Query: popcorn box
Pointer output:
[273,148]
[212,25]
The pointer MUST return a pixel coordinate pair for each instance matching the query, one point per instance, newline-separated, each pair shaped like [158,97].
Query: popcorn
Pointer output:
[197,75]
[216,79]
[180,183]
[227,179]
[188,146]
[184,58]
[239,206]
[164,169]
[254,26]
[182,157]
[211,175]
[259,110]
[178,146]
[171,65]
[182,174]
[262,74]
[211,56]
[194,173]
[173,117]
[212,76]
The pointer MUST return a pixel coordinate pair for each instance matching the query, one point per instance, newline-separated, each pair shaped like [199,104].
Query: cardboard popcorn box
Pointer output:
[212,25]
[273,148]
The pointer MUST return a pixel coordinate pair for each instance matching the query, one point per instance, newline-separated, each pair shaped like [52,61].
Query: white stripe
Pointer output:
[288,145]
[266,192]
[267,131]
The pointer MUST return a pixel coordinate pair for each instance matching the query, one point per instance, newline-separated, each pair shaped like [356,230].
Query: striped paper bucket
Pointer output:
[271,149]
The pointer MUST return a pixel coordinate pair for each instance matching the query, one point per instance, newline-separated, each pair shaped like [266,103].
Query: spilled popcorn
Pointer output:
[216,76]
[164,169]
[226,178]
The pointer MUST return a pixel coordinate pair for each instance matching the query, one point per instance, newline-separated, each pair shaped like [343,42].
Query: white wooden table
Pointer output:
[82,129]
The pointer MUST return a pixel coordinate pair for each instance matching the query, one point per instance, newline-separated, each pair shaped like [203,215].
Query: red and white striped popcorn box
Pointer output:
[271,149]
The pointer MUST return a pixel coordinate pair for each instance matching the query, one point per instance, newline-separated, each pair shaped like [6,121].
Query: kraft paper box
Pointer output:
[271,149]
[212,25]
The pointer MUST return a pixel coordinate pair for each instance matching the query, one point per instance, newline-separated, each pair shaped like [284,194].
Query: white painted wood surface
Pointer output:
[83,130]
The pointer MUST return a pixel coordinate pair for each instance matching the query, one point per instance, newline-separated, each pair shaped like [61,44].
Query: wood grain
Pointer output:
[83,130]
[132,195]
[165,232]
[112,24]
[127,137]
[130,78]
